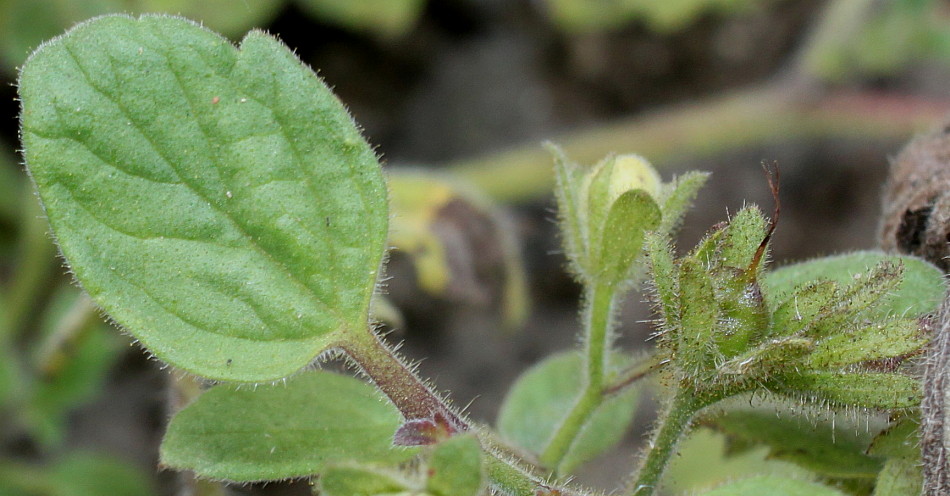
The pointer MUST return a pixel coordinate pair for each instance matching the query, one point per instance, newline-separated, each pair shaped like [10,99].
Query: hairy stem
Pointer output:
[640,370]
[672,425]
[412,397]
[415,400]
[597,315]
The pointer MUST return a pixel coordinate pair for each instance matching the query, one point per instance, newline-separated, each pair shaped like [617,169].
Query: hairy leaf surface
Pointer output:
[218,202]
[284,430]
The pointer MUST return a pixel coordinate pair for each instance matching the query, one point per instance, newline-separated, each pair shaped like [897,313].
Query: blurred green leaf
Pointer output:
[24,24]
[75,354]
[706,459]
[77,474]
[578,16]
[541,397]
[901,475]
[93,475]
[12,182]
[285,430]
[773,486]
[195,197]
[922,288]
[455,467]
[353,480]
[808,439]
[867,38]
[388,18]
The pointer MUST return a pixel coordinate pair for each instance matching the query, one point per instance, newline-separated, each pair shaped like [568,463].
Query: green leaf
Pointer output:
[834,450]
[698,315]
[742,238]
[890,339]
[218,202]
[920,291]
[75,353]
[806,304]
[631,215]
[352,480]
[665,278]
[455,467]
[773,486]
[573,226]
[87,474]
[677,198]
[538,401]
[286,430]
[901,475]
[865,389]
[389,18]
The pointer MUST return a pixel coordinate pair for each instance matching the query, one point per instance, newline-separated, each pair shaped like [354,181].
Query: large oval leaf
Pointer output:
[218,202]
[283,430]
[920,291]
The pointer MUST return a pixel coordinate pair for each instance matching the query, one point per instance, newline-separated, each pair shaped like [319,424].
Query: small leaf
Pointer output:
[573,225]
[742,238]
[865,389]
[698,314]
[767,357]
[665,279]
[354,480]
[895,338]
[803,307]
[773,486]
[678,196]
[455,467]
[631,215]
[389,18]
[219,203]
[539,399]
[286,430]
[920,291]
[833,450]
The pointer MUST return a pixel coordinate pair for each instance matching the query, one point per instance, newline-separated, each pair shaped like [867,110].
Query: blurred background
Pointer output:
[460,94]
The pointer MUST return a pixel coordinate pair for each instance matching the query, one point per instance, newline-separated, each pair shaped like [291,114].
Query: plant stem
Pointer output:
[672,425]
[597,316]
[746,117]
[416,400]
[640,370]
[412,397]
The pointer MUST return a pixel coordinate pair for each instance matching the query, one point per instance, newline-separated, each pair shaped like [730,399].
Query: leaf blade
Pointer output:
[193,199]
[282,431]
